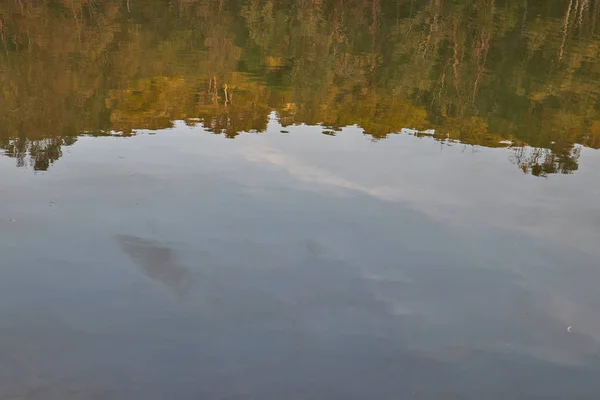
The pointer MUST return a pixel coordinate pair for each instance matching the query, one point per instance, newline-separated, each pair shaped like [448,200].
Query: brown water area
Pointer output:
[409,207]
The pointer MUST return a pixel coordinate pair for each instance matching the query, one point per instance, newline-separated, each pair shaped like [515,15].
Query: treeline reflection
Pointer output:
[482,72]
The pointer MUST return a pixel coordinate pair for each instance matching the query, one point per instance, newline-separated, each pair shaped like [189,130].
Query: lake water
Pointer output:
[299,199]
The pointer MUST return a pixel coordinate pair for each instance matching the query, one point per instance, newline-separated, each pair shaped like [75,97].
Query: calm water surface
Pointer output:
[410,207]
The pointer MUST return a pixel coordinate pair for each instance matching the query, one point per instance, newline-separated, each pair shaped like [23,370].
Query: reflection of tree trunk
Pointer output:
[582,9]
[456,62]
[565,30]
[3,37]
[524,18]
[481,59]
[226,94]
[594,16]
[480,53]
[213,90]
[442,83]
[432,28]
[77,24]
[376,9]
[374,25]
